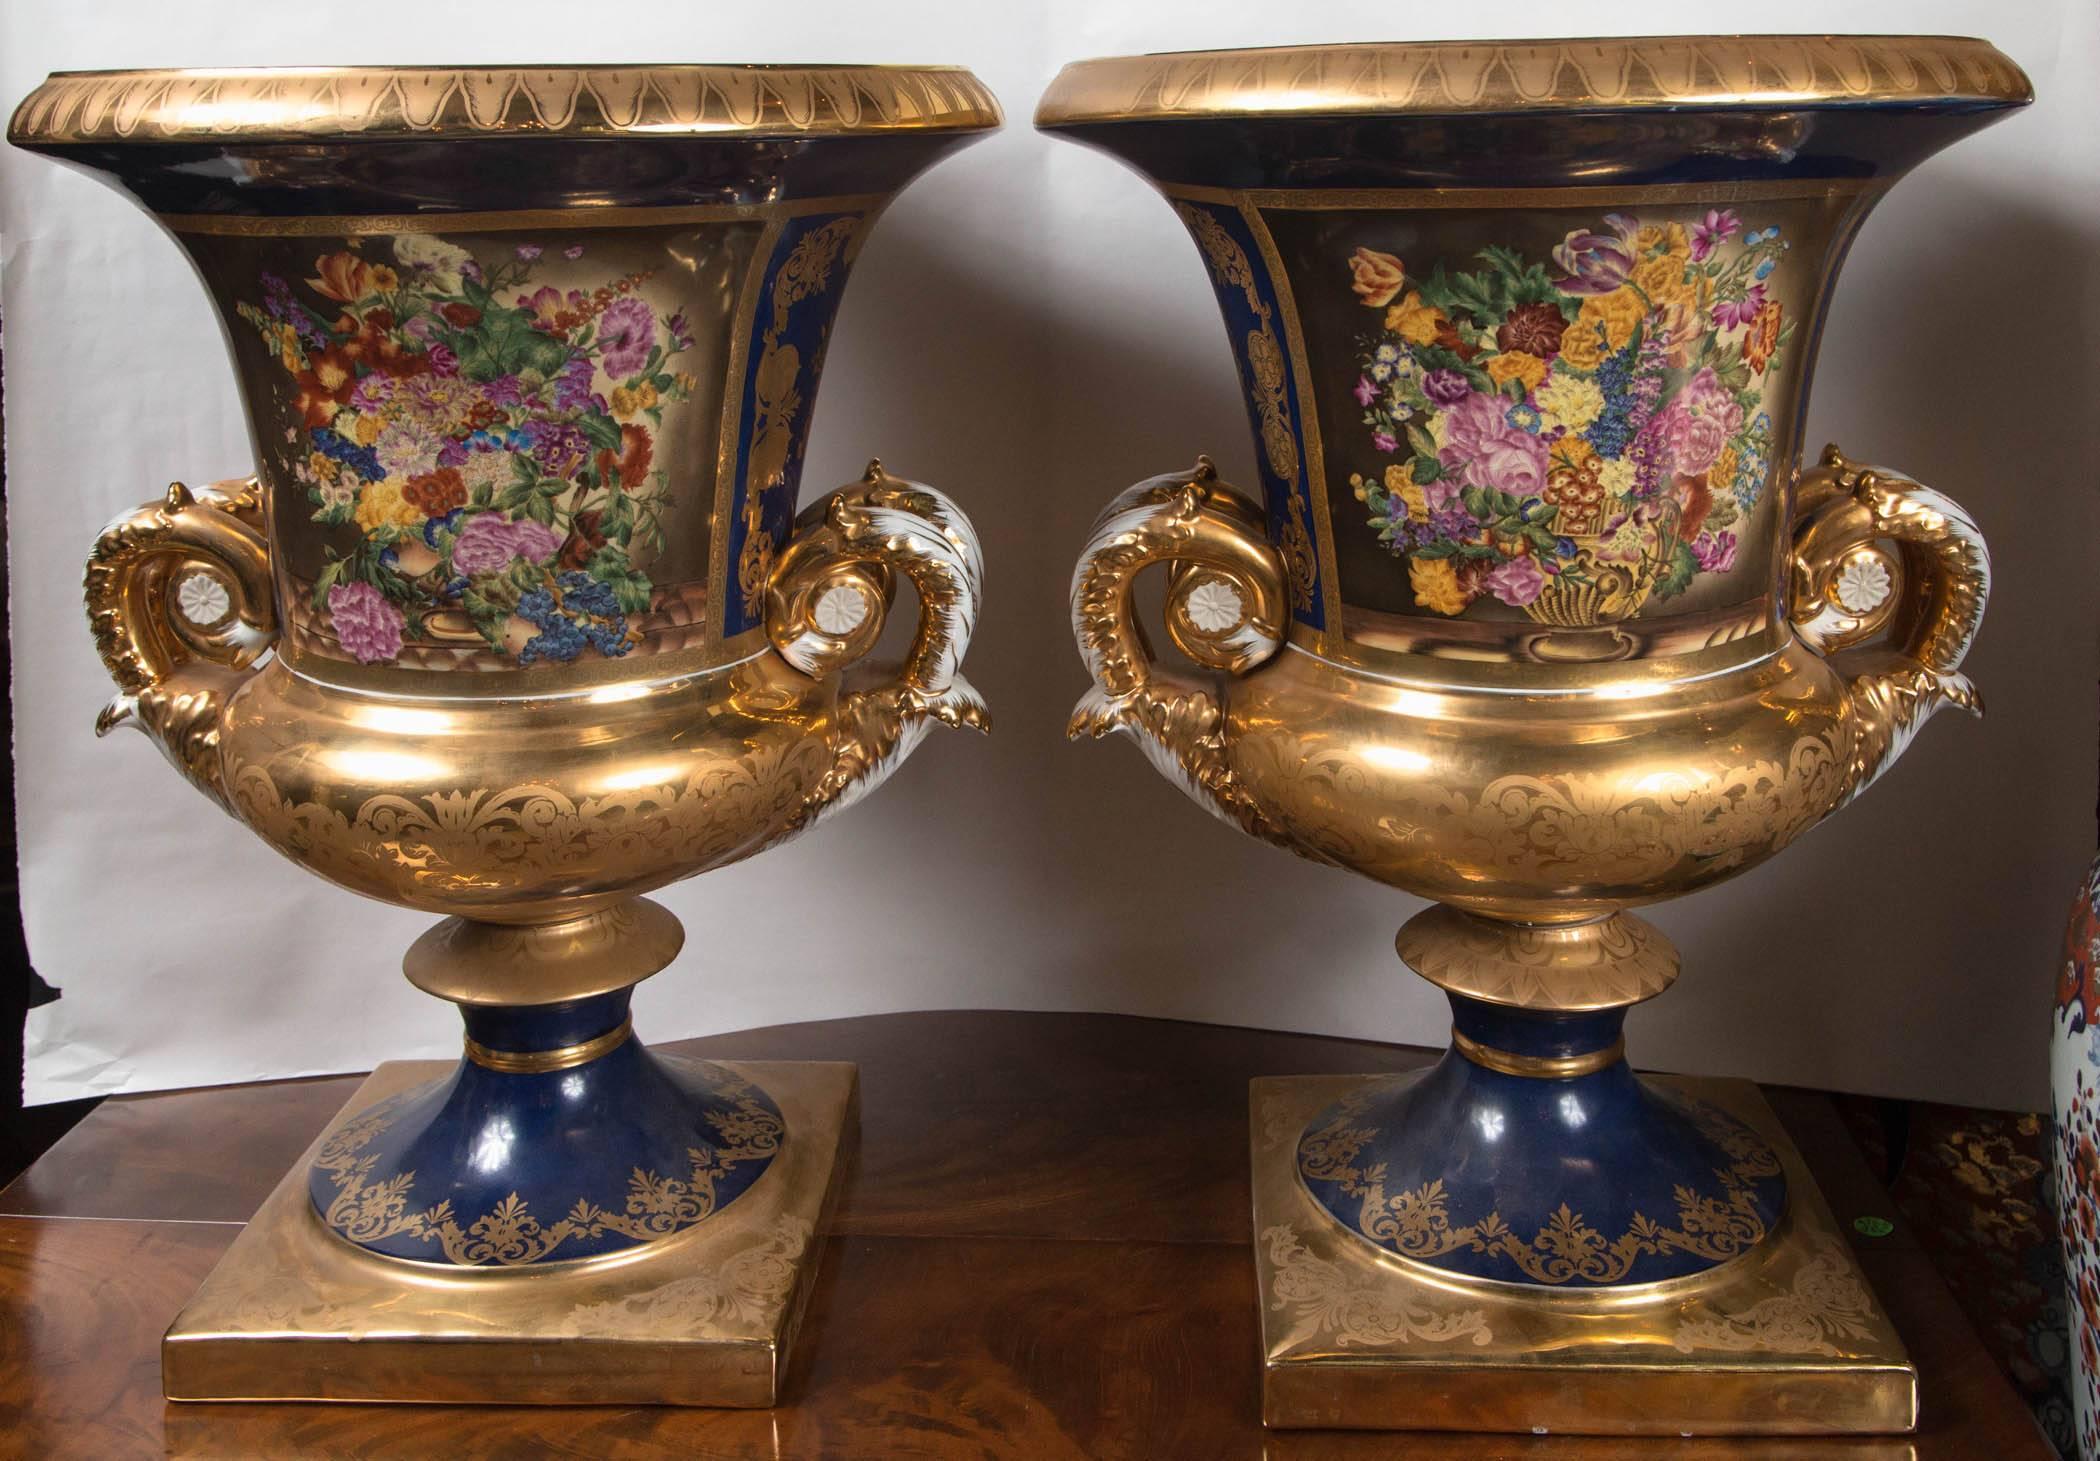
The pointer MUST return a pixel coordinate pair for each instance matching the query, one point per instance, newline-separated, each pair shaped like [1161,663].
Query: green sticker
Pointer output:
[1874,1227]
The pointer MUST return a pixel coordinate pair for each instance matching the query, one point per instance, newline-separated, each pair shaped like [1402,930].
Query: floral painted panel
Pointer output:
[1571,437]
[486,457]
[1563,416]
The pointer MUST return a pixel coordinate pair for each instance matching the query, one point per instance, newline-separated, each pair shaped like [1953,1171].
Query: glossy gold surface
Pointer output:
[475,963]
[1554,793]
[1438,77]
[289,104]
[1786,1339]
[650,672]
[705,1316]
[1611,732]
[1593,964]
[546,808]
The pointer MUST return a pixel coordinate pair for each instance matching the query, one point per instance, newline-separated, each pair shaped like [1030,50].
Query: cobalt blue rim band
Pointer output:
[544,1027]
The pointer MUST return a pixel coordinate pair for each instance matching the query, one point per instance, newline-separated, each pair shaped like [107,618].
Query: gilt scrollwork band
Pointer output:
[461,840]
[368,1208]
[1602,963]
[1714,1225]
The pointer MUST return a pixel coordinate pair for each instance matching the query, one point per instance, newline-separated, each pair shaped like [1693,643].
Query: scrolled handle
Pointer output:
[829,596]
[1226,607]
[178,597]
[1888,579]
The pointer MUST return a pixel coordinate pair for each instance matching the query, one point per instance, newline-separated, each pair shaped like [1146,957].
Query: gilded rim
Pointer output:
[1538,1067]
[340,103]
[1446,77]
[561,1057]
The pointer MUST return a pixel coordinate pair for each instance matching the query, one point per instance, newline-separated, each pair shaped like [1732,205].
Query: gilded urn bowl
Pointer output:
[514,621]
[1536,614]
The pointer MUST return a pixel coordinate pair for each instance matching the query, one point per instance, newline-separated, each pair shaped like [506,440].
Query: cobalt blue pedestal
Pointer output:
[558,1136]
[1532,1154]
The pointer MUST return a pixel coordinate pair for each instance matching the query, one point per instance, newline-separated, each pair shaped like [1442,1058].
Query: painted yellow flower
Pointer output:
[644,396]
[1583,345]
[1517,365]
[622,401]
[1663,279]
[285,341]
[686,382]
[1401,483]
[324,470]
[1413,320]
[1721,475]
[1569,401]
[381,505]
[1668,237]
[1435,582]
[1376,277]
[382,279]
[1573,450]
[1617,477]
[1616,313]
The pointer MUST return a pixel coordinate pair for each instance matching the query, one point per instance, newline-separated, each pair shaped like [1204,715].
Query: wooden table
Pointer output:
[1044,1252]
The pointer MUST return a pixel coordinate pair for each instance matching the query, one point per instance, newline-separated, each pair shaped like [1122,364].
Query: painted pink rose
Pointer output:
[1715,552]
[1481,445]
[1518,582]
[365,623]
[1441,495]
[1698,423]
[490,542]
[625,332]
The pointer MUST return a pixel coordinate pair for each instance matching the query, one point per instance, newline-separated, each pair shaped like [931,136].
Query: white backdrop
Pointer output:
[1061,343]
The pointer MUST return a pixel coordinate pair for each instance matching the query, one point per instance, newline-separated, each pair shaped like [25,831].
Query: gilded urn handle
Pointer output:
[1226,607]
[1889,580]
[178,597]
[829,597]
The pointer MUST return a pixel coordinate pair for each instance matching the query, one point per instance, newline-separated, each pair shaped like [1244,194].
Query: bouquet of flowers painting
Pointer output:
[493,443]
[1577,439]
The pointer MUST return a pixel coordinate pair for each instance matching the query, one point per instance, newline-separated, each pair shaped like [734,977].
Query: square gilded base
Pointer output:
[705,1317]
[1786,1340]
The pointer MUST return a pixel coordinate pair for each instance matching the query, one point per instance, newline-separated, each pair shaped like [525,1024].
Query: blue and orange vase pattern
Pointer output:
[2074,1086]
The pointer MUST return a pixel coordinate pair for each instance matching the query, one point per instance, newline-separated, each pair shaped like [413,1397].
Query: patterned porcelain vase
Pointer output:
[2074,1076]
[1536,614]
[529,359]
